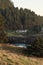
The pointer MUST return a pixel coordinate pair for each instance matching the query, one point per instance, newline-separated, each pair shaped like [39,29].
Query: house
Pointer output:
[21,31]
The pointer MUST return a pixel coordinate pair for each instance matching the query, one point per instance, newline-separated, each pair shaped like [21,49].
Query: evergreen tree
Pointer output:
[2,34]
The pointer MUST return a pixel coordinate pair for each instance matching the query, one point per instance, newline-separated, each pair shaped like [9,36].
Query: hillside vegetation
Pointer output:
[10,55]
[12,19]
[18,18]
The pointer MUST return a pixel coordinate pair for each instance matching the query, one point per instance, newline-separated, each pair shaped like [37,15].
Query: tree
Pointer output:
[2,33]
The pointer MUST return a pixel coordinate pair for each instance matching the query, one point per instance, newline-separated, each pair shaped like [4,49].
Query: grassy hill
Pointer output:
[12,55]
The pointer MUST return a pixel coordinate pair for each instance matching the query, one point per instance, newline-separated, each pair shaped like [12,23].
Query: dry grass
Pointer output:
[9,57]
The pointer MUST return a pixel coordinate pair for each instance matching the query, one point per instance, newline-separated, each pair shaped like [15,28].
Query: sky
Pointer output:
[33,5]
